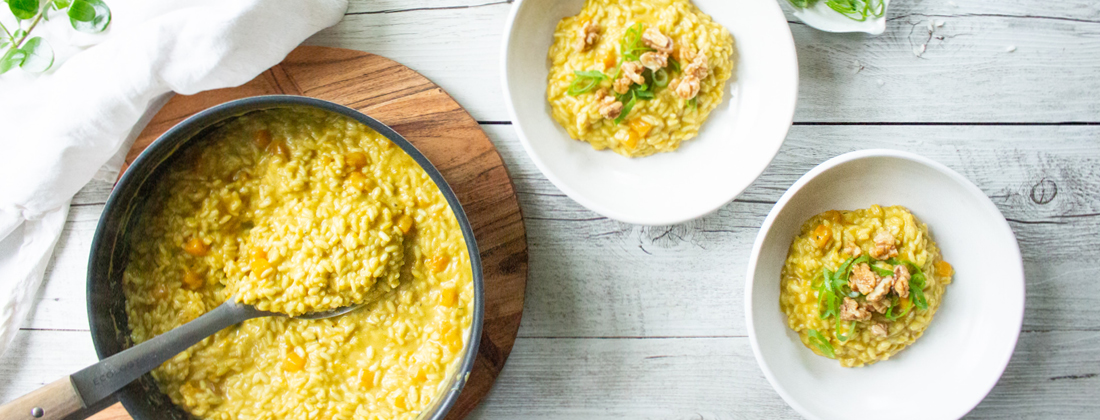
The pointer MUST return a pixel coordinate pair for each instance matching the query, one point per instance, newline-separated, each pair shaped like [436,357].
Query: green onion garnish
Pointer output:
[844,337]
[585,81]
[628,104]
[917,281]
[632,46]
[660,78]
[882,272]
[857,10]
[673,64]
[821,343]
[890,315]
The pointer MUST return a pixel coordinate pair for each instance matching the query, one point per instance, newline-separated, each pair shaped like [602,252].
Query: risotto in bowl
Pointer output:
[295,206]
[882,276]
[650,112]
[638,77]
[859,286]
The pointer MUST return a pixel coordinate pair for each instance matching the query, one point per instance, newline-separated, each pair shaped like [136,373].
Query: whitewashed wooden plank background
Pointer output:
[640,322]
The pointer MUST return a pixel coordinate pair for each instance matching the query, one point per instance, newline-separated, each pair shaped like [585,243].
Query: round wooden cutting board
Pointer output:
[429,118]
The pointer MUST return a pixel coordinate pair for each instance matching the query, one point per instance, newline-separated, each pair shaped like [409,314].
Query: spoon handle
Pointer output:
[53,401]
[96,382]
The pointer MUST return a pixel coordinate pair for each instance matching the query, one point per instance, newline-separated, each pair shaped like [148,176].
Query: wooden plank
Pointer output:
[596,277]
[36,358]
[968,76]
[1051,375]
[593,277]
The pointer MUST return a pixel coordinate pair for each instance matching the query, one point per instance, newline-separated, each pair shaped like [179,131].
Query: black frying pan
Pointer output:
[110,250]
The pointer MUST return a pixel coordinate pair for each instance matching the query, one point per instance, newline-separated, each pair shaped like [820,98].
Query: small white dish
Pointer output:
[952,367]
[735,145]
[821,17]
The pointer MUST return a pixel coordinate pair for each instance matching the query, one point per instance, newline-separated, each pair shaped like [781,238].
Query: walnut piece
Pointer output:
[686,87]
[631,74]
[633,70]
[698,66]
[653,38]
[654,60]
[853,249]
[608,106]
[588,37]
[884,245]
[881,289]
[688,84]
[879,306]
[901,280]
[851,311]
[862,279]
[880,329]
[622,85]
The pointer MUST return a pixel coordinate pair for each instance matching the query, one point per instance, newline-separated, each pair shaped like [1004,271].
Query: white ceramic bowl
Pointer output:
[821,17]
[950,369]
[738,141]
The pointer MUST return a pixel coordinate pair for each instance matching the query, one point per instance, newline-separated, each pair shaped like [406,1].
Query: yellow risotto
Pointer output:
[298,210]
[638,76]
[859,286]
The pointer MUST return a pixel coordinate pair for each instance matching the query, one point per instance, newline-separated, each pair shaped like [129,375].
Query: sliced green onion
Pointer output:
[821,343]
[585,81]
[828,302]
[845,271]
[660,78]
[673,64]
[857,10]
[890,312]
[693,103]
[882,271]
[627,106]
[631,46]
[851,329]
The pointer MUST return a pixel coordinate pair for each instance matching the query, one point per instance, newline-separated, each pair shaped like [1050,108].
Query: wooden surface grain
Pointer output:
[622,321]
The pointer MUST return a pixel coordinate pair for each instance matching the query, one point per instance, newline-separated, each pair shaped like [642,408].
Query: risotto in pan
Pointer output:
[297,210]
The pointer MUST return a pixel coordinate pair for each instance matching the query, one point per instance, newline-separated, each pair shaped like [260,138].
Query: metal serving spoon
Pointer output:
[80,390]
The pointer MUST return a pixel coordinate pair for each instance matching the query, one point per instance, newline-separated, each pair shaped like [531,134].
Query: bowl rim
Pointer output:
[176,138]
[509,30]
[1001,360]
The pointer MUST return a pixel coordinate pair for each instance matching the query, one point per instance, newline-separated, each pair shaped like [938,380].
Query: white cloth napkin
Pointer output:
[58,130]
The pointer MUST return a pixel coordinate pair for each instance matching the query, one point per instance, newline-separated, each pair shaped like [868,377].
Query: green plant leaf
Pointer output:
[81,11]
[39,55]
[23,9]
[19,34]
[61,4]
[91,16]
[11,59]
